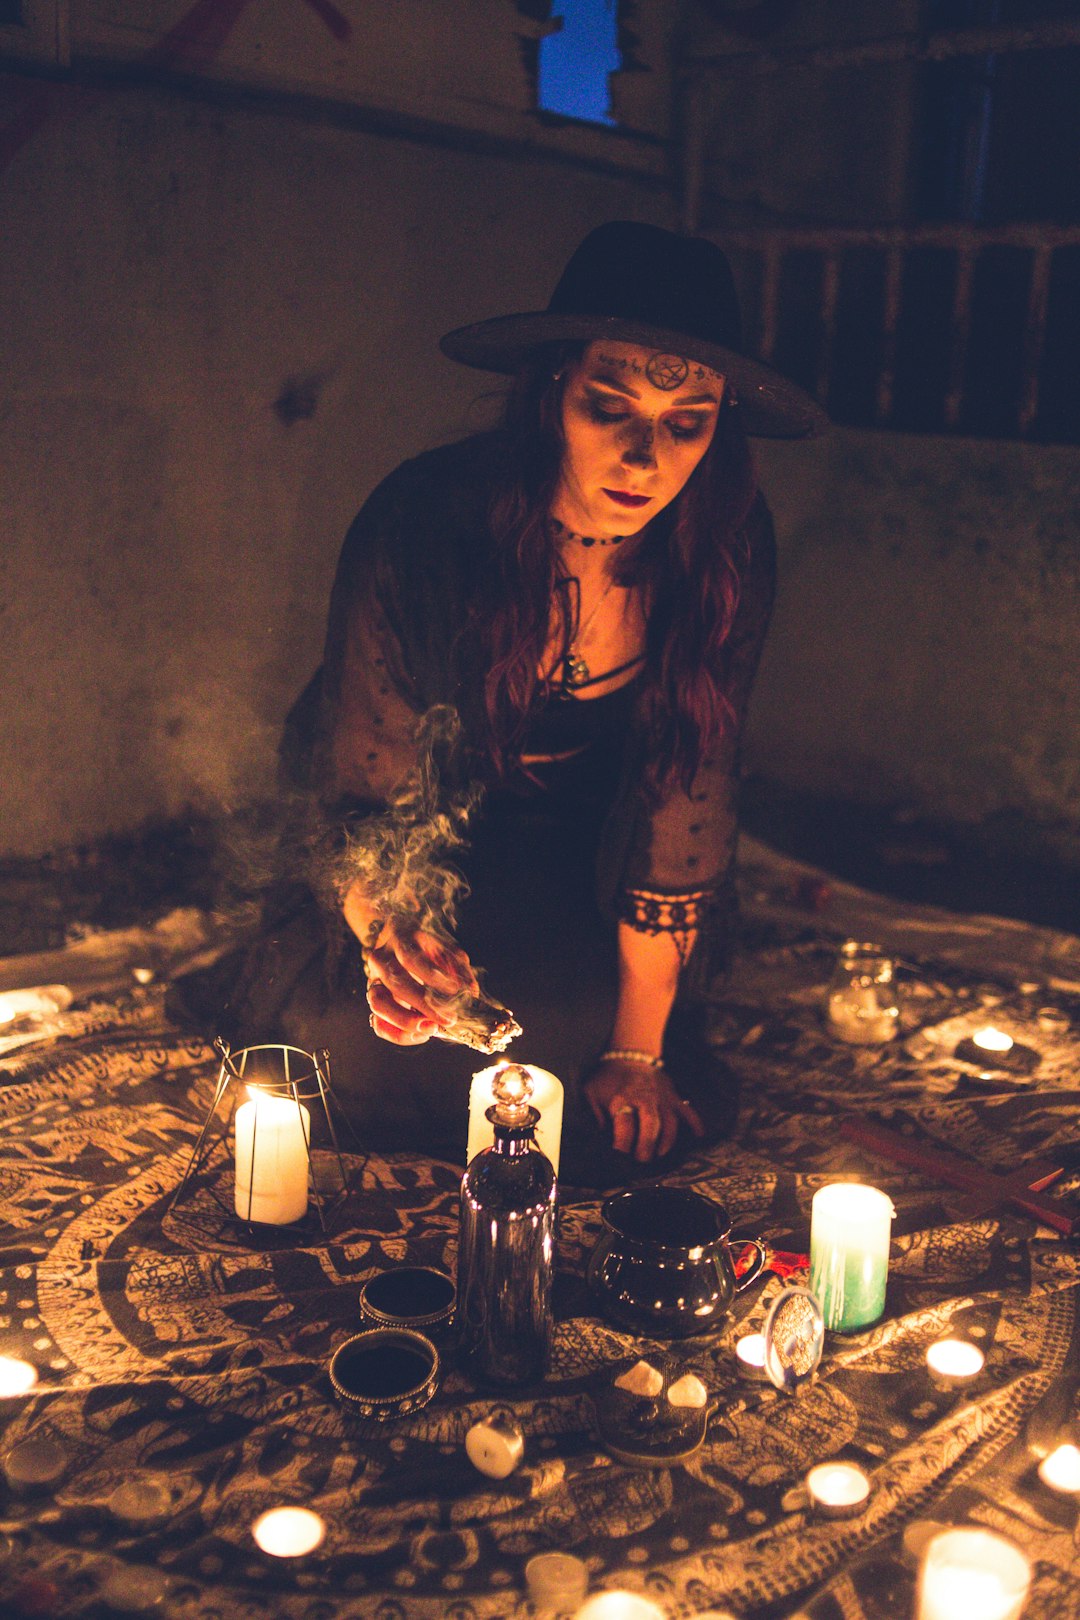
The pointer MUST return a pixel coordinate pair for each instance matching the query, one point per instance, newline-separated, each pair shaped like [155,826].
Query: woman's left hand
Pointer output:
[642,1105]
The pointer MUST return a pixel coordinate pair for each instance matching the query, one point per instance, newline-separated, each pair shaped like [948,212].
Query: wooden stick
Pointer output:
[964,1173]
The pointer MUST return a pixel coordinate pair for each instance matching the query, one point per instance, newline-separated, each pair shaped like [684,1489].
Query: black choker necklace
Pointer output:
[585,539]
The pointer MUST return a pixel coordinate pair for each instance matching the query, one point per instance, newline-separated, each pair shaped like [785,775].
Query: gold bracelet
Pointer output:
[627,1054]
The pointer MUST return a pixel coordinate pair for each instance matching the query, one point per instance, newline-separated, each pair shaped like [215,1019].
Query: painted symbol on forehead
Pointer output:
[667,371]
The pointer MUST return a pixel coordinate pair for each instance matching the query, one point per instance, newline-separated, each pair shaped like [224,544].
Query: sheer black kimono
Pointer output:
[553,859]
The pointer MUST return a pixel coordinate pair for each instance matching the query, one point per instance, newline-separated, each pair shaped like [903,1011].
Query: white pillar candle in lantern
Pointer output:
[547,1099]
[971,1574]
[272,1136]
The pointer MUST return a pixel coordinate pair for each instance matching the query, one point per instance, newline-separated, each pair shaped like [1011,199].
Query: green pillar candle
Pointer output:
[849,1253]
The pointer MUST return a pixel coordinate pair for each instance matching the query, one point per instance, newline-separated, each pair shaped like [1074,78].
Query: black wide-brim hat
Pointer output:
[635,283]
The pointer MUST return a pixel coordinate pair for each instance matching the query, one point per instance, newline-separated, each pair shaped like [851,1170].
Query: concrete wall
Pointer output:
[220,330]
[925,652]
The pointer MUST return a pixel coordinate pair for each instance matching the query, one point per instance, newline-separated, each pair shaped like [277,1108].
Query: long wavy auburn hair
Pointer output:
[689,567]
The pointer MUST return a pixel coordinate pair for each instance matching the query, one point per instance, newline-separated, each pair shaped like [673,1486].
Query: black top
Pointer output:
[415,562]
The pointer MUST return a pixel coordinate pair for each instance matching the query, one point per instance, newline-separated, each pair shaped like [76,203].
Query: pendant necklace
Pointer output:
[576,671]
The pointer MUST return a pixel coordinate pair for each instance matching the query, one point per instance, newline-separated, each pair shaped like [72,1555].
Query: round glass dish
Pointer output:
[417,1297]
[384,1373]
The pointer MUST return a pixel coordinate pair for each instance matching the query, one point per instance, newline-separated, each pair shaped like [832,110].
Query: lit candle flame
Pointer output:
[837,1485]
[955,1358]
[16,1377]
[990,1039]
[288,1532]
[1061,1469]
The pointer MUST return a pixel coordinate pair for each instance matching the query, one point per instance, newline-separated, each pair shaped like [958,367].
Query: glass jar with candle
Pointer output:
[860,1003]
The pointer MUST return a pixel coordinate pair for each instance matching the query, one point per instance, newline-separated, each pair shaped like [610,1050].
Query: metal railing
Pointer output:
[771,245]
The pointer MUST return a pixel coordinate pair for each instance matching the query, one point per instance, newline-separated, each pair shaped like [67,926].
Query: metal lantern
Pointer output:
[291,1085]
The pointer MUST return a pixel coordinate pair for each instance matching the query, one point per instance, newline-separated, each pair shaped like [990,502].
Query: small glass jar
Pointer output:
[860,1003]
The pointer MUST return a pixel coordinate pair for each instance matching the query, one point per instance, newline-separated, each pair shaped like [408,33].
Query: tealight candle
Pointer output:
[547,1099]
[272,1136]
[556,1581]
[849,1253]
[619,1606]
[16,1377]
[974,1574]
[288,1532]
[135,1590]
[495,1447]
[750,1354]
[37,1464]
[139,1503]
[989,1039]
[1061,1469]
[953,1362]
[837,1488]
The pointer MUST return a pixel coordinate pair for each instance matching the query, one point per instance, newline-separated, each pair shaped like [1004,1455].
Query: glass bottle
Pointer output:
[506,1248]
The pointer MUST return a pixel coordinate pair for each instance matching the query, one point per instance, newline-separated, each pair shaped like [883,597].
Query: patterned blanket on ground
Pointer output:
[174,1350]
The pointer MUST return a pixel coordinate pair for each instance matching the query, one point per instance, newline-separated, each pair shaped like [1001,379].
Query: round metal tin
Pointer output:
[384,1373]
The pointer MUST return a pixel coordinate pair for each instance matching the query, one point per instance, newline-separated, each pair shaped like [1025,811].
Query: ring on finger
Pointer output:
[627,1108]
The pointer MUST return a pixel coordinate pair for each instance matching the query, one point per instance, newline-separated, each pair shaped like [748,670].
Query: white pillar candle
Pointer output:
[272,1136]
[547,1099]
[1061,1469]
[849,1253]
[288,1532]
[990,1039]
[972,1575]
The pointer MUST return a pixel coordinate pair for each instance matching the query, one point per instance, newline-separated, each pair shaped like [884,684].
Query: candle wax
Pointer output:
[849,1253]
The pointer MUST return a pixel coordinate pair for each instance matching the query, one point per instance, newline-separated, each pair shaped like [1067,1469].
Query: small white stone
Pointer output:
[641,1379]
[688,1391]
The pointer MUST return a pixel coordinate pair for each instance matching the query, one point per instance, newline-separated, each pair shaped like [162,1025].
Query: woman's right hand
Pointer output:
[411,976]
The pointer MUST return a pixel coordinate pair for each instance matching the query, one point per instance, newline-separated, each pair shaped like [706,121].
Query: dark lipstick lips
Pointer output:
[628,500]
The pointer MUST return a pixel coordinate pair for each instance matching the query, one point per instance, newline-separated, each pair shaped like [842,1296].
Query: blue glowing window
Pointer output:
[575,62]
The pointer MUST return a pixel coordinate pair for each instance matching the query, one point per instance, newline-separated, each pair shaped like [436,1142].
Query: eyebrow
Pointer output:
[608,381]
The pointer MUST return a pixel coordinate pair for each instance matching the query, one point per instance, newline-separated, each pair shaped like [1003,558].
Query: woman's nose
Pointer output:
[638,451]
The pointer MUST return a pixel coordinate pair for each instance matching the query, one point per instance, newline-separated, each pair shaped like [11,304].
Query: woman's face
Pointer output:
[636,423]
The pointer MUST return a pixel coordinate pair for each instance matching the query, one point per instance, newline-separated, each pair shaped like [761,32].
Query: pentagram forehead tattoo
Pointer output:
[665,371]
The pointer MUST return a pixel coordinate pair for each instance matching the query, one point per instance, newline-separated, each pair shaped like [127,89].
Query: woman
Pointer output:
[583,595]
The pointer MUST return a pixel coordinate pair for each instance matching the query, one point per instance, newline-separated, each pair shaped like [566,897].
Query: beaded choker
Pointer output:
[561,531]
